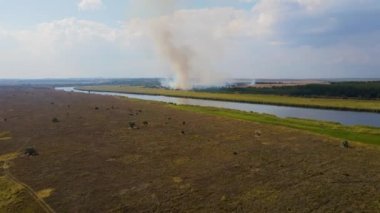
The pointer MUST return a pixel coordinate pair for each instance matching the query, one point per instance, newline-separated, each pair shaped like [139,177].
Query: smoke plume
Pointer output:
[178,57]
[184,44]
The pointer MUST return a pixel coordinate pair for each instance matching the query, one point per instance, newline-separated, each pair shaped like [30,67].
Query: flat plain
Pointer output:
[109,154]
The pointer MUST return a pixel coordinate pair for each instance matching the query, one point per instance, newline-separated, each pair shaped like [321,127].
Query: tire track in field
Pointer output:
[28,189]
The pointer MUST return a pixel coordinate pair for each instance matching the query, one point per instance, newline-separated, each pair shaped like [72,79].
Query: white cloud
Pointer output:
[305,38]
[276,38]
[90,4]
[68,47]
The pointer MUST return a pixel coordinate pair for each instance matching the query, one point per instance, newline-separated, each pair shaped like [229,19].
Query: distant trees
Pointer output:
[360,90]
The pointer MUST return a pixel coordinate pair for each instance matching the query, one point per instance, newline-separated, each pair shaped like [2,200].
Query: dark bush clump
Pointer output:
[345,144]
[55,120]
[31,151]
[132,125]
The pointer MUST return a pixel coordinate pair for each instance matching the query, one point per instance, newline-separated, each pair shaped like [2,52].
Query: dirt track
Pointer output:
[94,162]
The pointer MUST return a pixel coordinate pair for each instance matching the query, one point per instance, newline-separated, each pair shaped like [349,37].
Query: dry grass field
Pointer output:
[91,160]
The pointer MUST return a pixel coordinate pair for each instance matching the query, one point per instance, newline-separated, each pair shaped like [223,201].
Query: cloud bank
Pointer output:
[273,39]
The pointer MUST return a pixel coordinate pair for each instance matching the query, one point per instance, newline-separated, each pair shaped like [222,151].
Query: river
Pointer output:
[344,117]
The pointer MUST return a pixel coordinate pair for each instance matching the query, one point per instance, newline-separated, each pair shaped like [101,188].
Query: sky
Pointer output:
[225,38]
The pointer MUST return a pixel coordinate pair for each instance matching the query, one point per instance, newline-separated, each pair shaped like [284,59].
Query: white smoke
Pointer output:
[188,46]
[179,57]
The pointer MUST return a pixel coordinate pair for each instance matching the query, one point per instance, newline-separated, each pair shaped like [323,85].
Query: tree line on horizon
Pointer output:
[359,90]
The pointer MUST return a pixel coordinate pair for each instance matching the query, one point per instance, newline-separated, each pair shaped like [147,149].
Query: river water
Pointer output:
[343,117]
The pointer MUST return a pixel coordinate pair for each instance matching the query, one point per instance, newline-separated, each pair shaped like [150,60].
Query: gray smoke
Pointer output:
[186,45]
[178,57]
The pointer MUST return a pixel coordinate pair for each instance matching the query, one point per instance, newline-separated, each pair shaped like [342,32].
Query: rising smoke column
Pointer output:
[185,42]
[165,38]
[178,57]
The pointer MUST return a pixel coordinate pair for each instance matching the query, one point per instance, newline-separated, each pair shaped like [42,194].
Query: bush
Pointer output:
[31,151]
[132,125]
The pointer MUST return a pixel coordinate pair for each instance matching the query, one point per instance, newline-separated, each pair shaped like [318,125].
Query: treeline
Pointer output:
[144,82]
[360,90]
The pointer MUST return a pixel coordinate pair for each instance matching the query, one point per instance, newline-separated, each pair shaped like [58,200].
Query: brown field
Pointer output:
[91,161]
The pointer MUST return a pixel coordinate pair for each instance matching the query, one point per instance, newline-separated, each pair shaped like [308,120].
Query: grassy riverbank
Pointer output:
[325,103]
[361,134]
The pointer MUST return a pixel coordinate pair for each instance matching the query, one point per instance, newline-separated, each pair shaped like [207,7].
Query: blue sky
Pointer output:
[224,38]
[24,13]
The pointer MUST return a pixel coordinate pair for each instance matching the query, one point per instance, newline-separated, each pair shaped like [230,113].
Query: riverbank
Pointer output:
[363,134]
[320,103]
[358,133]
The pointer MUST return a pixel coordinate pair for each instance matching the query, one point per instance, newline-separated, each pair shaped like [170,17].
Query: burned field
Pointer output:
[100,153]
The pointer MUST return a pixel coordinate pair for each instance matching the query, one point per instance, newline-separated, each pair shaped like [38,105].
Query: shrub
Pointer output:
[132,125]
[31,151]
[345,144]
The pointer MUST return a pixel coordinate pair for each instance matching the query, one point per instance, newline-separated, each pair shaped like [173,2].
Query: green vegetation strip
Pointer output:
[5,136]
[358,90]
[325,103]
[361,134]
[9,193]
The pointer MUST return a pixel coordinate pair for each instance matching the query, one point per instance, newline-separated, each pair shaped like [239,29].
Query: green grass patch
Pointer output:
[45,193]
[14,197]
[9,156]
[326,103]
[361,134]
[9,193]
[5,136]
